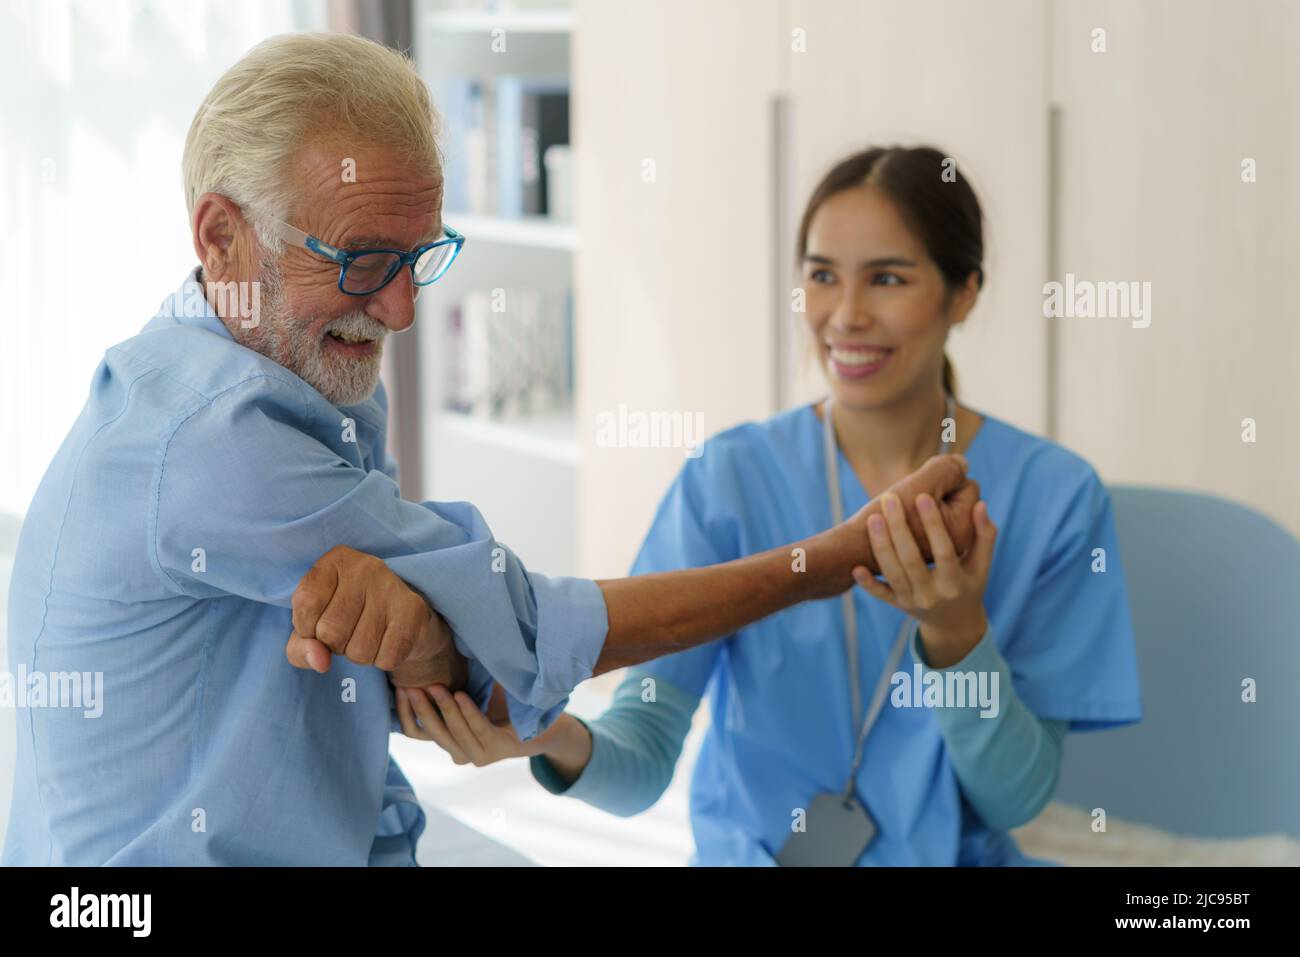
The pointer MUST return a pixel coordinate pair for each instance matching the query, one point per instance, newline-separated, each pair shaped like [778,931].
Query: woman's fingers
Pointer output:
[477,721]
[947,568]
[986,533]
[433,724]
[883,548]
[457,725]
[905,547]
[406,717]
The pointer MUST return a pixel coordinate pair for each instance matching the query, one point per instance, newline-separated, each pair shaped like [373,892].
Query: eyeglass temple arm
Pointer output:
[297,236]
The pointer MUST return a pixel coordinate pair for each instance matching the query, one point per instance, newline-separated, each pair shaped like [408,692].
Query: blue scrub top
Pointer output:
[779,697]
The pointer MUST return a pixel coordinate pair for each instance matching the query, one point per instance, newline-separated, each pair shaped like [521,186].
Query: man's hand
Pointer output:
[943,478]
[834,553]
[352,604]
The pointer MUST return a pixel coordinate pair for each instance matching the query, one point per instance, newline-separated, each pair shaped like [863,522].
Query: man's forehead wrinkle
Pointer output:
[329,196]
[385,206]
[404,193]
[404,219]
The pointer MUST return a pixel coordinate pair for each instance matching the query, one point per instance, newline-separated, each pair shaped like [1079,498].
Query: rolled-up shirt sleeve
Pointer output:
[260,478]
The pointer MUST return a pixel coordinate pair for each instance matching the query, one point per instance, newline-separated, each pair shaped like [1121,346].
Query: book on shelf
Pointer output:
[497,134]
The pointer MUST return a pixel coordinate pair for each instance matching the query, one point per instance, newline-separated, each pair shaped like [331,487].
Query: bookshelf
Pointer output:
[477,21]
[496,334]
[546,437]
[529,231]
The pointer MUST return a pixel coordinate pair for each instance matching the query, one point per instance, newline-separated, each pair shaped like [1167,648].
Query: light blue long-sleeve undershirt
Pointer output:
[1007,764]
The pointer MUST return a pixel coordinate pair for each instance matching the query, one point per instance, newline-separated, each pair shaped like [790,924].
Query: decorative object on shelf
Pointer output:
[508,353]
[558,161]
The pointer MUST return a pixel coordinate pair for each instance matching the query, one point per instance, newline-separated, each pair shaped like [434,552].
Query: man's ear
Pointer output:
[220,234]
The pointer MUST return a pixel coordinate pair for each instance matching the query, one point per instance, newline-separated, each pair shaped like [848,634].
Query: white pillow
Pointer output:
[1063,833]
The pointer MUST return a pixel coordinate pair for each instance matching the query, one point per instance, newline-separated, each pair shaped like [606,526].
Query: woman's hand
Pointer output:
[948,599]
[457,726]
[942,478]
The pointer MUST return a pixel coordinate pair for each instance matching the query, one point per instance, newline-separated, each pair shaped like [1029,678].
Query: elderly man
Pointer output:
[226,490]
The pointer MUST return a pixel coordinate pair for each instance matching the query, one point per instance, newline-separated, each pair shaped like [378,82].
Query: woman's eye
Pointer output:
[822,276]
[887,279]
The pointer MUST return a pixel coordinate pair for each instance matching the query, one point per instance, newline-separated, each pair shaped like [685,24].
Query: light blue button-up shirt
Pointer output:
[199,484]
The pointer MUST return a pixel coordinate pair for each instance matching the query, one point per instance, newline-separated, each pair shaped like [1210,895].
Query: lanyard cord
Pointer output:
[849,608]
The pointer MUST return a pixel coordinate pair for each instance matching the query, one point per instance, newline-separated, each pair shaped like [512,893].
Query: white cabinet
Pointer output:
[673,280]
[1154,132]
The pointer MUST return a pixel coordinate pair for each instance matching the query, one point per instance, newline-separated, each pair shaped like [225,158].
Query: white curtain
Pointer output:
[96,101]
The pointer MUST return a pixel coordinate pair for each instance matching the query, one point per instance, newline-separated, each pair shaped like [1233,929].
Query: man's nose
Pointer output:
[394,305]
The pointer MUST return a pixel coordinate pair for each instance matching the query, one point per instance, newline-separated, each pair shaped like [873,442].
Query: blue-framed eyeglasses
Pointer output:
[367,271]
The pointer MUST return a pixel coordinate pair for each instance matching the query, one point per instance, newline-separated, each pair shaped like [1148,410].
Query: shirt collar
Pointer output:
[188,306]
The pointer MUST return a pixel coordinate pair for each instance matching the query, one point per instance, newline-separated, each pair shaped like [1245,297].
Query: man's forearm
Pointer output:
[655,615]
[658,614]
[647,616]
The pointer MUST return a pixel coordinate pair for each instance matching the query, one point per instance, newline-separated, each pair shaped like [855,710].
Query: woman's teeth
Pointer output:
[858,357]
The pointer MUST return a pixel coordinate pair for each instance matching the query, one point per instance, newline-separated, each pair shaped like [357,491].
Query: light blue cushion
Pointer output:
[1215,593]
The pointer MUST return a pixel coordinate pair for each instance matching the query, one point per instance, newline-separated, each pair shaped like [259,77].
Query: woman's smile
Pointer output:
[856,361]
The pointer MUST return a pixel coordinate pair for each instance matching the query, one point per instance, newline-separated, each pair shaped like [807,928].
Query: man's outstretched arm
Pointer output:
[657,614]
[649,615]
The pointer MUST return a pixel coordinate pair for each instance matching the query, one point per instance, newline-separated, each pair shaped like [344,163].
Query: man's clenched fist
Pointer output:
[352,604]
[943,478]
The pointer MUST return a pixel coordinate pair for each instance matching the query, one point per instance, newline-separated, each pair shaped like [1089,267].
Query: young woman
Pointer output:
[803,764]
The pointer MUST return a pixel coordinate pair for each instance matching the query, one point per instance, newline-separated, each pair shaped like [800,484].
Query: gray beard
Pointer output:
[282,337]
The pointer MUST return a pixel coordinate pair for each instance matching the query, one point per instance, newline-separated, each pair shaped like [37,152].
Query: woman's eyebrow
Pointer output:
[881,262]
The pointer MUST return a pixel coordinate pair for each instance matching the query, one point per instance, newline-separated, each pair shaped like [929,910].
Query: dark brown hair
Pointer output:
[944,213]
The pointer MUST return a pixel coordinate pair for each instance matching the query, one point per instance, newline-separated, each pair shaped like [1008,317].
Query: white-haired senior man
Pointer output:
[224,501]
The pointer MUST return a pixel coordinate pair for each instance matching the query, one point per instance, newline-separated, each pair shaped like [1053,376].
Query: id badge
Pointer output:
[837,831]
